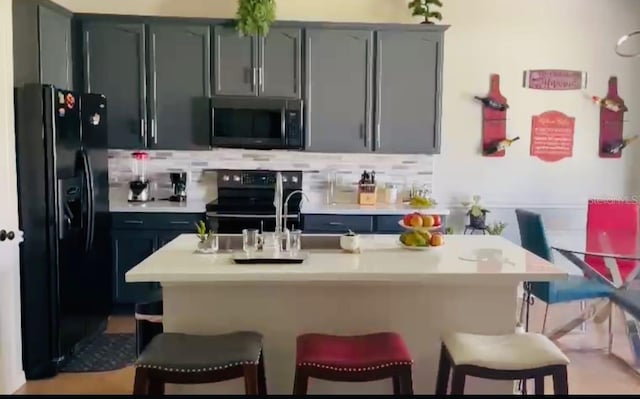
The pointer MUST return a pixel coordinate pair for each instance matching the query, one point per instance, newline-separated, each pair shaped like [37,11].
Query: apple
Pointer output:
[428,221]
[437,220]
[406,220]
[436,240]
[415,220]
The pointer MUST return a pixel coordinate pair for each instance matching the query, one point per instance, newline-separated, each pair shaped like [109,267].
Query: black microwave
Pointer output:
[257,123]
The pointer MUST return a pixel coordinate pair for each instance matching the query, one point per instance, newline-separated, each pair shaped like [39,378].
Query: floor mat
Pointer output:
[106,352]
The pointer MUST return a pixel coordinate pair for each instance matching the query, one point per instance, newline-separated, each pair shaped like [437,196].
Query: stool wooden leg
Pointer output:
[444,368]
[141,383]
[406,382]
[262,378]
[156,387]
[250,379]
[539,385]
[300,383]
[560,382]
[397,389]
[457,383]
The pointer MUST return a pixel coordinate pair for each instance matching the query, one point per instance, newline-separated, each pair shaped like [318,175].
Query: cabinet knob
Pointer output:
[7,235]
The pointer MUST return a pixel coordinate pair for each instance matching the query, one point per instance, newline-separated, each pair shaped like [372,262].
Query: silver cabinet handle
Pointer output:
[254,78]
[154,131]
[142,129]
[261,80]
[179,222]
[133,221]
[378,135]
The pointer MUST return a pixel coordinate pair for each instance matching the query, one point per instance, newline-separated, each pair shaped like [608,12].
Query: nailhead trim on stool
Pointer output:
[324,366]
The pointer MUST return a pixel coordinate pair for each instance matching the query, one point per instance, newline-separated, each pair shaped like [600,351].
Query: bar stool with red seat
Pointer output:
[358,358]
[619,219]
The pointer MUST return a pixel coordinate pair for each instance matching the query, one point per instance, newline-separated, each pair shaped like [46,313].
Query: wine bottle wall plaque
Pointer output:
[612,111]
[494,120]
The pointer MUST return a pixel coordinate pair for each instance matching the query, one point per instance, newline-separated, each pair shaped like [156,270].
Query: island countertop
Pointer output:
[462,260]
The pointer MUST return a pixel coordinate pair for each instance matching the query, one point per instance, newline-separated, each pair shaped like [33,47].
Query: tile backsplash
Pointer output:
[403,170]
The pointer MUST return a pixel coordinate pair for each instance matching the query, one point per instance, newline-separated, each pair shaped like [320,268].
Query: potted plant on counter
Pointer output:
[477,213]
[206,238]
[496,229]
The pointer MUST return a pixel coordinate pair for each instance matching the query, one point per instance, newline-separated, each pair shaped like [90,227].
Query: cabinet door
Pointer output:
[55,48]
[235,69]
[179,64]
[129,249]
[280,58]
[115,67]
[408,92]
[339,70]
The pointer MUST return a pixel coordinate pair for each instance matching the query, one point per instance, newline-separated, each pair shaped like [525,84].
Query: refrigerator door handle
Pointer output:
[88,175]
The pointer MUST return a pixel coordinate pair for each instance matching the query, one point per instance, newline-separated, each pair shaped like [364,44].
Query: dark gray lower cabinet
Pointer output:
[339,90]
[135,236]
[180,74]
[408,80]
[131,247]
[362,224]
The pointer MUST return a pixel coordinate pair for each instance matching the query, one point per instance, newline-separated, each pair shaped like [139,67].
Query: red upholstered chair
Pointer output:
[353,359]
[620,219]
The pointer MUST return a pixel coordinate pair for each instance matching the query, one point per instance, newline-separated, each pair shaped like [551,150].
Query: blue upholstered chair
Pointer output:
[576,288]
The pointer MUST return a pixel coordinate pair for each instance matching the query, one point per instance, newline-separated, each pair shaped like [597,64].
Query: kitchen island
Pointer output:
[469,285]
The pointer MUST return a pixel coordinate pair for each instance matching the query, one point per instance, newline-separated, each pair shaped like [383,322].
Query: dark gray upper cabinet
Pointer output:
[55,48]
[257,66]
[180,86]
[280,55]
[339,87]
[115,66]
[235,69]
[408,87]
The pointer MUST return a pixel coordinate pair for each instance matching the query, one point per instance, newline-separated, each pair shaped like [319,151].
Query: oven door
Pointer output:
[248,122]
[223,223]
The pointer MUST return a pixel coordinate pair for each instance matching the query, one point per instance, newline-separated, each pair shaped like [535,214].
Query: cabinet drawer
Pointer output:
[388,224]
[338,223]
[158,221]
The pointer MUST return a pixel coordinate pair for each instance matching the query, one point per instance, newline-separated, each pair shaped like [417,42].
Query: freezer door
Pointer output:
[64,109]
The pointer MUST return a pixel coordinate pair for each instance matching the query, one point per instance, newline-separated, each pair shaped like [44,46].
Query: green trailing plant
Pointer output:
[448,231]
[203,234]
[496,228]
[254,17]
[424,8]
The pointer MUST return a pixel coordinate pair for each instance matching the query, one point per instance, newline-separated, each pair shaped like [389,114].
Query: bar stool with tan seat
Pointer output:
[198,359]
[358,358]
[513,357]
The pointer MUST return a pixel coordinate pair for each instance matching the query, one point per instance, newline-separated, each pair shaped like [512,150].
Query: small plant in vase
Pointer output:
[496,229]
[424,8]
[477,213]
[205,237]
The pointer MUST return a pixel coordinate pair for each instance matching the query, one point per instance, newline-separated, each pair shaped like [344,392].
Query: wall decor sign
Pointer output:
[612,109]
[555,79]
[552,136]
[494,119]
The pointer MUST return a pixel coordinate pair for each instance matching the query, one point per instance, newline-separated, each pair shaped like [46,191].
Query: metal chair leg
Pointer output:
[583,306]
[544,321]
[610,346]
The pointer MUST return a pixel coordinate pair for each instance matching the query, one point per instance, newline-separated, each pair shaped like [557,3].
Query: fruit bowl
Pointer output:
[422,228]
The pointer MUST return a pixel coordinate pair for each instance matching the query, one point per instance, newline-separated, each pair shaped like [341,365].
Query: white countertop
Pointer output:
[463,260]
[160,206]
[355,209]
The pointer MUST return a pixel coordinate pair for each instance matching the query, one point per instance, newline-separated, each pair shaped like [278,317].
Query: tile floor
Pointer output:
[592,371]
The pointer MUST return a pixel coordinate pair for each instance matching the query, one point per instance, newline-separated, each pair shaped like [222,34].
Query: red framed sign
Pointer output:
[552,136]
[555,79]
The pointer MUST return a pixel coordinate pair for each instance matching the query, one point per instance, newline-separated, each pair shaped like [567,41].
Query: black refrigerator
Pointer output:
[65,259]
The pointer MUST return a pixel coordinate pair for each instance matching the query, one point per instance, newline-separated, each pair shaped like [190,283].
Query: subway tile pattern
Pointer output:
[402,170]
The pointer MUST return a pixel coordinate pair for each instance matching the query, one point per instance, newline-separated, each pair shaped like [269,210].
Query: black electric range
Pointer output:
[245,201]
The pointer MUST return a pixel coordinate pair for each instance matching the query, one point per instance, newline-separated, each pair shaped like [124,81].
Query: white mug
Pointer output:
[350,243]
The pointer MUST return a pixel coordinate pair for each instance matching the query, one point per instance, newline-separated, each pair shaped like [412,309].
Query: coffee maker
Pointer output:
[178,186]
[139,187]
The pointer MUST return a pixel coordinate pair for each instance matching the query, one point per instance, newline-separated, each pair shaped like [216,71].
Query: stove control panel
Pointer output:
[258,179]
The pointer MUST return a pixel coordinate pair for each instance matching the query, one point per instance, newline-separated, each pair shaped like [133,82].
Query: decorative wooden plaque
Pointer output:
[555,79]
[494,122]
[552,136]
[611,123]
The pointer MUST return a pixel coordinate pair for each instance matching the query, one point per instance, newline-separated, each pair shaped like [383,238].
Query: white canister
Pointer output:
[390,194]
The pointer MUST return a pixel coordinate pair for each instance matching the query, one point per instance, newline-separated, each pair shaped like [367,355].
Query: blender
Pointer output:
[139,187]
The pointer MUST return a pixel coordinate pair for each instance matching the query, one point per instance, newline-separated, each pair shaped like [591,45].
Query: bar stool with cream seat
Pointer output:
[512,357]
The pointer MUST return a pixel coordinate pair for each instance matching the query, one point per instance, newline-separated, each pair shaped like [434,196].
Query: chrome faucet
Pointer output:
[286,205]
[277,202]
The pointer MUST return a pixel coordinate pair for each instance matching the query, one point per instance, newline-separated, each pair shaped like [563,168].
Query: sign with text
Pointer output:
[555,79]
[552,136]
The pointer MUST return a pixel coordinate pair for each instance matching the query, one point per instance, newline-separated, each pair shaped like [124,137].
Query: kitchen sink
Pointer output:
[233,242]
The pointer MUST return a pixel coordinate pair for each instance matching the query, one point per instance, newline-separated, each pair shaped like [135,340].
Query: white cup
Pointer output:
[350,243]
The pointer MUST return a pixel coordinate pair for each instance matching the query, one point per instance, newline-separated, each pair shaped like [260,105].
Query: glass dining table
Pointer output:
[614,260]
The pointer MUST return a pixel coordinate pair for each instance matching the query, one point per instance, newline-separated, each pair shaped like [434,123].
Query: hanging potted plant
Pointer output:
[254,17]
[477,213]
[424,8]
